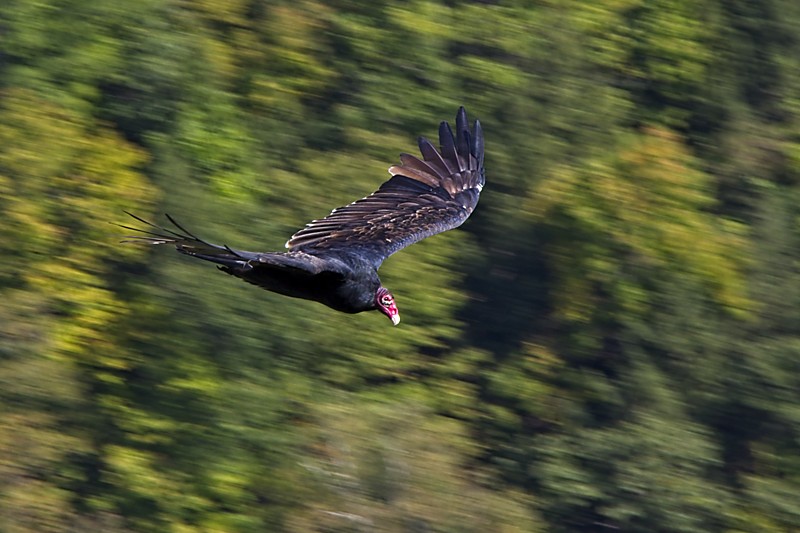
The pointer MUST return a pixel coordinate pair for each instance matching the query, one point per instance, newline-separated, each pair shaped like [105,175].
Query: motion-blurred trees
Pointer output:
[611,342]
[62,175]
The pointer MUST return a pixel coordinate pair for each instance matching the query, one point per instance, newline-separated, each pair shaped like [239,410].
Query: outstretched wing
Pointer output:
[236,262]
[422,198]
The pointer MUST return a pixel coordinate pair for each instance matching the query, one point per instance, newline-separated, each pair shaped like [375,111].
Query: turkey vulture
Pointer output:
[334,260]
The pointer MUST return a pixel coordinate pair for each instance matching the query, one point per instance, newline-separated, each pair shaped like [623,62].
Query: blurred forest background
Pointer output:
[610,343]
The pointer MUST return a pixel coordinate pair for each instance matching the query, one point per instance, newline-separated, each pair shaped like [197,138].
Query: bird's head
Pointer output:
[385,304]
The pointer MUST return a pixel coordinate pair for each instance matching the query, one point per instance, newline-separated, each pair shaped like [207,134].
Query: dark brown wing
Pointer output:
[422,198]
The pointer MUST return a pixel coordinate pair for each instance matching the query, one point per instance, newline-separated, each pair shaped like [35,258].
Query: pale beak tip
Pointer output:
[395,319]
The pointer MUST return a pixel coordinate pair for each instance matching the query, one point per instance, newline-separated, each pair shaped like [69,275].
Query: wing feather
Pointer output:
[423,197]
[412,161]
[432,156]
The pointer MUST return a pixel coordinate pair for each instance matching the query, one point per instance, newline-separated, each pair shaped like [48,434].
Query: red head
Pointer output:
[385,303]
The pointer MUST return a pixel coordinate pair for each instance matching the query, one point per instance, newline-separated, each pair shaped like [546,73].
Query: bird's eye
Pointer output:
[386,300]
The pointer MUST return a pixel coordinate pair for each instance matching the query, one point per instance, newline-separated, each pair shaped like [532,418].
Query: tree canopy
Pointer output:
[611,342]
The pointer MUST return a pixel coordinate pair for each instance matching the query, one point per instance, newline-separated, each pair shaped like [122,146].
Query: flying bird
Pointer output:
[335,260]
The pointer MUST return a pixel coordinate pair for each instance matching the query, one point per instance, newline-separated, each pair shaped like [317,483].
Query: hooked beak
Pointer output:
[395,319]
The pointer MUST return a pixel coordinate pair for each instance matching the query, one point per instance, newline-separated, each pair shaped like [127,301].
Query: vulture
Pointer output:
[335,260]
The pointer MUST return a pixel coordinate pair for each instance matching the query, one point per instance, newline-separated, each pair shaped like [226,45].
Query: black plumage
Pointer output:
[334,260]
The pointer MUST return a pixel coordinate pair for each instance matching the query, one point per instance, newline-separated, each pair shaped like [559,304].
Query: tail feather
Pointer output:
[186,242]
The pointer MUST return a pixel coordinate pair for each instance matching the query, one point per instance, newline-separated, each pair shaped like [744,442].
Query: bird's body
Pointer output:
[346,283]
[334,260]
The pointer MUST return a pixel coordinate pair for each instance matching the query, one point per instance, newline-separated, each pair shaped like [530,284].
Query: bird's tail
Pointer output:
[186,243]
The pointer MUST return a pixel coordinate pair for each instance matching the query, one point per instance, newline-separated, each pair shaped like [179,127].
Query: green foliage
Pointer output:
[610,342]
[400,467]
[647,204]
[60,301]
